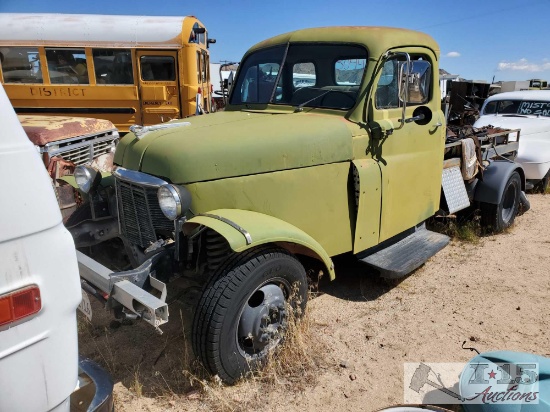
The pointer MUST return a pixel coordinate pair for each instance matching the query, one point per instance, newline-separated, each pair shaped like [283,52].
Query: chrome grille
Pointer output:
[139,213]
[82,150]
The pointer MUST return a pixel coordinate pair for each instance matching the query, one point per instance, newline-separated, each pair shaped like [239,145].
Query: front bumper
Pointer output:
[95,391]
[130,288]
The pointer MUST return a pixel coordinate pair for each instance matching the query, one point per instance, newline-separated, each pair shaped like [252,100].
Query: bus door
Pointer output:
[203,71]
[158,86]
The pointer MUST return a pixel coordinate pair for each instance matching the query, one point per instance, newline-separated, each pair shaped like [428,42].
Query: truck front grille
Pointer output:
[83,150]
[139,213]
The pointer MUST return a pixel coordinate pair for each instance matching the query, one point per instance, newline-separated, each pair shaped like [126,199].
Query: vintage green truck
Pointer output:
[352,161]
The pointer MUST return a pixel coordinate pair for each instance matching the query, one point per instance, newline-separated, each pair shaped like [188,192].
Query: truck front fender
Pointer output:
[244,229]
[495,177]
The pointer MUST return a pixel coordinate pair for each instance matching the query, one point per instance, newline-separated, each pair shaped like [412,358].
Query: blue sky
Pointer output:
[478,39]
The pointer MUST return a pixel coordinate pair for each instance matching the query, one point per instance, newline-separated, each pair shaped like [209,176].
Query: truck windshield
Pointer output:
[519,107]
[311,75]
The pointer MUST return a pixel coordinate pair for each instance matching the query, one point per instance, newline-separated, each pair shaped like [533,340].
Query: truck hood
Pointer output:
[237,143]
[46,129]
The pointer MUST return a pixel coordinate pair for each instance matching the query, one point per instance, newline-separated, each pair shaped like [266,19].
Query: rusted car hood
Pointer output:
[45,129]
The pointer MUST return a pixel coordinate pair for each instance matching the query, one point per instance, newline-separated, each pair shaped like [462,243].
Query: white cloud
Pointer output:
[453,54]
[523,65]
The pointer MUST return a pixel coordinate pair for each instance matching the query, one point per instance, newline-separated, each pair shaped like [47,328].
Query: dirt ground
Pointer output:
[492,294]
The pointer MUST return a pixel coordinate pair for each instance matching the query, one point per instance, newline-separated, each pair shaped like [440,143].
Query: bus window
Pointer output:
[67,66]
[113,66]
[198,35]
[21,65]
[157,68]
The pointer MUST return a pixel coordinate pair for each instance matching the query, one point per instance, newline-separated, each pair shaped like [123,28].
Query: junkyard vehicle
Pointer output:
[530,112]
[350,159]
[127,69]
[66,142]
[39,290]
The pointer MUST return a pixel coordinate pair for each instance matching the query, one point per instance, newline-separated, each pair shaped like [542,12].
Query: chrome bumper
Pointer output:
[95,391]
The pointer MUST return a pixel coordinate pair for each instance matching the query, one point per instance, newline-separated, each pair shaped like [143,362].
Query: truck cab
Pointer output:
[289,175]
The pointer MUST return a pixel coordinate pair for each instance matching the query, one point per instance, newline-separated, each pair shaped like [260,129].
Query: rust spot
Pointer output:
[45,129]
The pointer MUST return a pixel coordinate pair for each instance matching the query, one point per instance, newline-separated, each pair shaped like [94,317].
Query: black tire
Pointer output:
[249,292]
[541,186]
[496,218]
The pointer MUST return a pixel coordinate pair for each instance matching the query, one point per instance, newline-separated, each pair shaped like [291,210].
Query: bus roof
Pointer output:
[30,29]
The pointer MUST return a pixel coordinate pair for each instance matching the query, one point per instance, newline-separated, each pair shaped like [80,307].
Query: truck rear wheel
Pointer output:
[243,312]
[496,218]
[542,186]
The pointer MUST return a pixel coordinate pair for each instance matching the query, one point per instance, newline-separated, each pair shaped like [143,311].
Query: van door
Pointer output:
[158,86]
[410,155]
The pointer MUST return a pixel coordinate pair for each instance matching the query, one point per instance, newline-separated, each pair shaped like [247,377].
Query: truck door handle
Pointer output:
[438,124]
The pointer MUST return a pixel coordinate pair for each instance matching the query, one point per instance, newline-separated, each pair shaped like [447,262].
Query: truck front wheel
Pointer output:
[498,217]
[243,312]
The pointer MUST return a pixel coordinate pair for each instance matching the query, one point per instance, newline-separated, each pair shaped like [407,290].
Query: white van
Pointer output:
[529,111]
[39,287]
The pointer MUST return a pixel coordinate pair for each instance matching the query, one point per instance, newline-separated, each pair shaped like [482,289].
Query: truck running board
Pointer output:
[408,254]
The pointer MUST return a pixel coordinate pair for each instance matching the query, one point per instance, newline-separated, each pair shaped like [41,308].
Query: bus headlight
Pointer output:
[173,200]
[86,177]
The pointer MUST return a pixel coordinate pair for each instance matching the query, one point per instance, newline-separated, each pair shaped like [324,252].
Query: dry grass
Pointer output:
[468,231]
[294,365]
[163,368]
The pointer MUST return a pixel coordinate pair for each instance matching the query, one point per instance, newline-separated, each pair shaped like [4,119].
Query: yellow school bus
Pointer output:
[127,69]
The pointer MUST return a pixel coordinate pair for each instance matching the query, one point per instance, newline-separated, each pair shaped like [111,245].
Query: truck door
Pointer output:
[410,153]
[158,86]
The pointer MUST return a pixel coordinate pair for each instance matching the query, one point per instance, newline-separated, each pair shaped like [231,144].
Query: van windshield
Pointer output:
[519,107]
[311,75]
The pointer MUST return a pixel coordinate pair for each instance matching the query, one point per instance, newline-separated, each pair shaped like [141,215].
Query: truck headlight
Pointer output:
[86,178]
[173,200]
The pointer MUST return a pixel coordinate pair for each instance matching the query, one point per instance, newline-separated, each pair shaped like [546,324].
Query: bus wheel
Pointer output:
[243,312]
[496,218]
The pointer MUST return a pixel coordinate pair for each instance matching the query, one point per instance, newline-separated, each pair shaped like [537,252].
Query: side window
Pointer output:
[113,66]
[349,72]
[387,90]
[21,65]
[303,75]
[158,68]
[67,66]
[198,34]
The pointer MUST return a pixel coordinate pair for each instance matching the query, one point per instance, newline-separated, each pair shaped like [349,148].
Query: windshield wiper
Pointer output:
[301,105]
[513,115]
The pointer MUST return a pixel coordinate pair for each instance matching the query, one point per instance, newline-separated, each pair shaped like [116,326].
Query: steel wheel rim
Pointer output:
[263,319]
